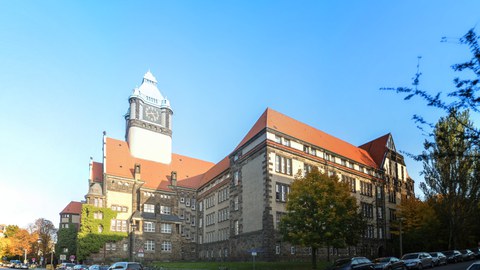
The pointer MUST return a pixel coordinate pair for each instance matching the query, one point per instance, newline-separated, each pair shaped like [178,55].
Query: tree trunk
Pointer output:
[314,258]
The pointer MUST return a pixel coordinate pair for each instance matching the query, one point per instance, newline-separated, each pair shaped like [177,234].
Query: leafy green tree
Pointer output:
[420,225]
[67,239]
[451,176]
[320,212]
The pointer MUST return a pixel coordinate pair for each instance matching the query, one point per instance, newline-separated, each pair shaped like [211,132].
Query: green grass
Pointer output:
[240,265]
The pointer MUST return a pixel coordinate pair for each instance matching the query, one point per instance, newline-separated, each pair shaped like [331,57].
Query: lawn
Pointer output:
[238,265]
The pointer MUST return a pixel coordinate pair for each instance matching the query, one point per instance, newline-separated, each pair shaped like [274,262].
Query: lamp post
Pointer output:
[401,243]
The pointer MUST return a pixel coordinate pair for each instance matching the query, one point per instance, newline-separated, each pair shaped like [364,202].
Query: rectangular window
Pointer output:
[283,165]
[166,228]
[117,225]
[149,208]
[194,202]
[277,249]
[307,168]
[286,142]
[292,250]
[281,192]
[352,183]
[165,210]
[187,202]
[149,226]
[166,246]
[236,176]
[125,247]
[98,215]
[367,210]
[236,227]
[149,245]
[235,203]
[366,189]
[278,139]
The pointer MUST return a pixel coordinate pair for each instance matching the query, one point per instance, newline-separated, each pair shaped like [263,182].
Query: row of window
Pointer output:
[330,157]
[149,245]
[150,208]
[149,226]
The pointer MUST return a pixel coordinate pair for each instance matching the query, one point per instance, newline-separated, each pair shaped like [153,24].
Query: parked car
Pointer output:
[358,263]
[389,263]
[476,251]
[15,264]
[453,256]
[474,266]
[438,258]
[126,266]
[65,266]
[98,267]
[80,267]
[467,254]
[418,260]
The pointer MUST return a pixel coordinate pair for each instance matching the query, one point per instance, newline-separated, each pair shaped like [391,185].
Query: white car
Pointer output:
[474,266]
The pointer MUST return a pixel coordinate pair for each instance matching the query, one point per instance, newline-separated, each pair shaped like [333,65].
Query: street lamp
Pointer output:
[401,243]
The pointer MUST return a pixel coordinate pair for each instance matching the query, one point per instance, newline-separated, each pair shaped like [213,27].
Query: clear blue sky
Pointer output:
[67,69]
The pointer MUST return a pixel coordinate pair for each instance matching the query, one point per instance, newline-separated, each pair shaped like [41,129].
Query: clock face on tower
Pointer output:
[151,114]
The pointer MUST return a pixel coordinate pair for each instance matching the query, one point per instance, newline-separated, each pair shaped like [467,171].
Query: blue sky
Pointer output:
[67,69]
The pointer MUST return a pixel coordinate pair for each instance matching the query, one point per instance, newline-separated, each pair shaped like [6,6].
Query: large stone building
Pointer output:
[175,207]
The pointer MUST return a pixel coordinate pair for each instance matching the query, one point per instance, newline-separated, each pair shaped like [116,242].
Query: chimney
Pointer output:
[173,178]
[137,172]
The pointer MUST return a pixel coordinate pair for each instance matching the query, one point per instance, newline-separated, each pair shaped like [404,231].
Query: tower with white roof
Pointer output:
[149,122]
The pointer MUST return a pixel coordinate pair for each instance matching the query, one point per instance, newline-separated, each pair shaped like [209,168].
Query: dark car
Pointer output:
[438,258]
[389,263]
[126,266]
[453,256]
[353,263]
[467,254]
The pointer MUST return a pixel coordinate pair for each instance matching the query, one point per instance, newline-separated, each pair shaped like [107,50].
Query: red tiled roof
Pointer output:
[119,162]
[287,125]
[377,148]
[97,172]
[72,208]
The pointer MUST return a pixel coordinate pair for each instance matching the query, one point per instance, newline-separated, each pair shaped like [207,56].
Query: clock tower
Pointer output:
[149,123]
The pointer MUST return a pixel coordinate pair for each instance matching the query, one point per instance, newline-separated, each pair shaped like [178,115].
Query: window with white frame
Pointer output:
[166,246]
[149,226]
[277,249]
[149,208]
[281,192]
[125,247]
[166,228]
[165,210]
[235,203]
[236,177]
[98,215]
[187,202]
[149,245]
[283,165]
[194,202]
[292,250]
[182,199]
[236,227]
[118,225]
[200,222]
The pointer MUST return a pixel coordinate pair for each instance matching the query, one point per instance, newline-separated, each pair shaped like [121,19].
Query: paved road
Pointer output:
[457,266]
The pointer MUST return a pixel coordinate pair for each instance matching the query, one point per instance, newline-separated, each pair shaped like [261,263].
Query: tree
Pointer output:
[451,175]
[465,94]
[46,235]
[420,225]
[451,166]
[67,240]
[320,212]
